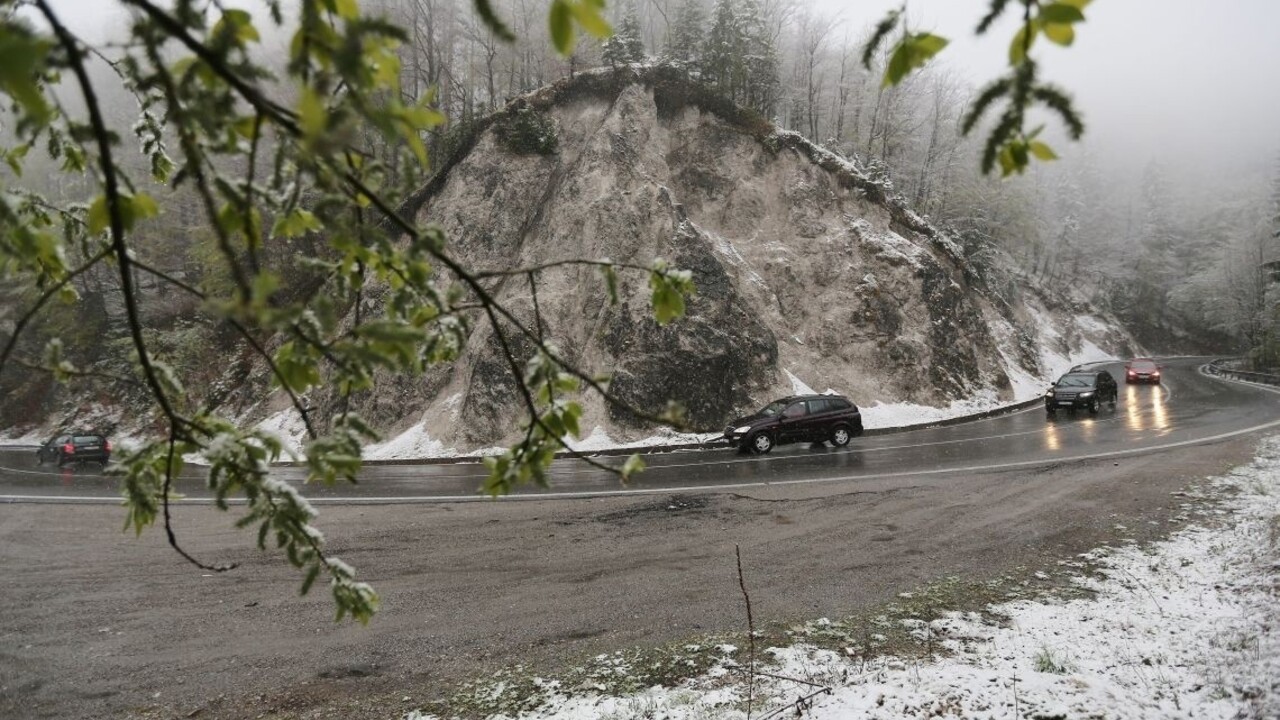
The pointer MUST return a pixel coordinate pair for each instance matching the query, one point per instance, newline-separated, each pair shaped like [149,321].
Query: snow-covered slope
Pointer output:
[807,274]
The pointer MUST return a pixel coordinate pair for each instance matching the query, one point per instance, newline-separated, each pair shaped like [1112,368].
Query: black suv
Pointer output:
[75,448]
[1083,390]
[799,418]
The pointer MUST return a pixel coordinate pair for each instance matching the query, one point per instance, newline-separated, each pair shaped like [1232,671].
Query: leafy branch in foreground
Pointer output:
[321,154]
[1009,142]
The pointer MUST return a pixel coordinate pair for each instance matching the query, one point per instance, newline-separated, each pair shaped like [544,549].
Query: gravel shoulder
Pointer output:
[100,624]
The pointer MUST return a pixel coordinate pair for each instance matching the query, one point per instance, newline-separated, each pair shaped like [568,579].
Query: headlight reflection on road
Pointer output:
[1090,426]
[1158,410]
[1051,439]
[1132,412]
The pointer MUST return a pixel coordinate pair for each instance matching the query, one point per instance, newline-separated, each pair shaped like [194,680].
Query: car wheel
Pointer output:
[1093,406]
[840,436]
[761,444]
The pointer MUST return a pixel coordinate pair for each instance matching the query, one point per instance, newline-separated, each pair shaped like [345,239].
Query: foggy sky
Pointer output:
[1193,83]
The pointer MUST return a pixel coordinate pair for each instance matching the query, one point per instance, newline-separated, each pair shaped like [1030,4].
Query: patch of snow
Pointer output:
[1092,324]
[726,248]
[287,425]
[891,246]
[599,440]
[35,436]
[1184,628]
[415,442]
[798,386]
[888,415]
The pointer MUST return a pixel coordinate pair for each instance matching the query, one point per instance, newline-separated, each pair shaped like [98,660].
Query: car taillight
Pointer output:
[108,446]
[69,449]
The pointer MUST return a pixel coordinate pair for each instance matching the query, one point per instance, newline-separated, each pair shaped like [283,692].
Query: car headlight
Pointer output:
[1049,393]
[742,430]
[1086,394]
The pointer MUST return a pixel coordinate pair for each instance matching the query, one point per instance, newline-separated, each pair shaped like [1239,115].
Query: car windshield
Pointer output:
[1076,381]
[1143,365]
[86,439]
[773,408]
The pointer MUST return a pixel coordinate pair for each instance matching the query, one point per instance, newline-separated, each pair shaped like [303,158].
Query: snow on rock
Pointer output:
[286,425]
[415,442]
[797,385]
[1184,628]
[891,415]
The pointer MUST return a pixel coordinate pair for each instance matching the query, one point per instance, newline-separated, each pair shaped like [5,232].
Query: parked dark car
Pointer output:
[799,418]
[1144,370]
[75,448]
[1086,390]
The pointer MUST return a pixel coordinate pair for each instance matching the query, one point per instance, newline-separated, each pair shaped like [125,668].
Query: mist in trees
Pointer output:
[1176,252]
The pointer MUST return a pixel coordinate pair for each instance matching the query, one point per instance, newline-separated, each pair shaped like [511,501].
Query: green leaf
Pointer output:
[611,283]
[240,24]
[632,466]
[1007,164]
[23,58]
[296,223]
[1060,12]
[1060,33]
[345,9]
[911,53]
[312,573]
[560,20]
[899,65]
[1042,151]
[589,17]
[928,45]
[312,114]
[15,156]
[484,9]
[99,218]
[140,207]
[1021,44]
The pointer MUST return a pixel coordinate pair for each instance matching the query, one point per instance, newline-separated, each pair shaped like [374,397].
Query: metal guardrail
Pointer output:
[1224,368]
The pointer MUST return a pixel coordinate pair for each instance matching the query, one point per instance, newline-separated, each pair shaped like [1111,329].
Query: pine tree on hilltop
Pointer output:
[760,61]
[723,64]
[685,44]
[626,46]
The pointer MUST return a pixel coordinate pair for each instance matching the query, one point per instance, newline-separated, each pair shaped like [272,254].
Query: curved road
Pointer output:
[1189,408]
[103,624]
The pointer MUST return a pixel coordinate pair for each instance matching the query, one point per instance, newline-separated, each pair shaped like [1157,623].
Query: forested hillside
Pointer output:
[1179,264]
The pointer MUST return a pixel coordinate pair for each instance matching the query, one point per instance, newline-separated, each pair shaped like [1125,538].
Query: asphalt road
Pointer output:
[100,624]
[1187,408]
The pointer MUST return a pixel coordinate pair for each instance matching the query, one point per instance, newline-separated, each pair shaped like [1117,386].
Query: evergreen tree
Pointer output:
[723,64]
[684,45]
[1275,199]
[626,46]
[760,61]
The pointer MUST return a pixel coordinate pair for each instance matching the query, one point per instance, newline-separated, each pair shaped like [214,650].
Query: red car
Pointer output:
[1144,370]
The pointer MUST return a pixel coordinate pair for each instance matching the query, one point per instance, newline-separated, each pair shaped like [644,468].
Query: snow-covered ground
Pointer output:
[1184,628]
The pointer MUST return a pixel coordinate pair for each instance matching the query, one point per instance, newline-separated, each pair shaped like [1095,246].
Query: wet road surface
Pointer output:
[1188,408]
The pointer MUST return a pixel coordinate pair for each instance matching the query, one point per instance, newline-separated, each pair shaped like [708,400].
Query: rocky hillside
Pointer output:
[804,267]
[807,273]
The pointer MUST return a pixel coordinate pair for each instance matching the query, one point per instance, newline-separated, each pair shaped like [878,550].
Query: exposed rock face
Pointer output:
[801,265]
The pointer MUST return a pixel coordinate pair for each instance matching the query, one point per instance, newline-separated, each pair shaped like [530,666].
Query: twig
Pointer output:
[801,704]
[751,633]
[168,522]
